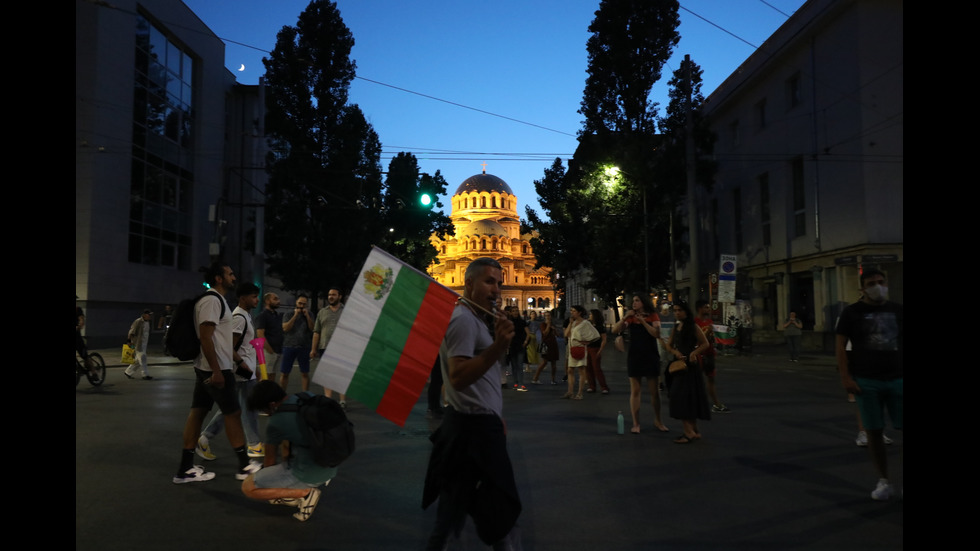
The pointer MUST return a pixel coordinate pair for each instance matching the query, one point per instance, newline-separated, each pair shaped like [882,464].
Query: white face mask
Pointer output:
[877,293]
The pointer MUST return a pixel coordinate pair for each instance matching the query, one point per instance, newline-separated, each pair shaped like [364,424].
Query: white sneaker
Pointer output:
[251,468]
[194,474]
[307,505]
[886,439]
[883,491]
[862,439]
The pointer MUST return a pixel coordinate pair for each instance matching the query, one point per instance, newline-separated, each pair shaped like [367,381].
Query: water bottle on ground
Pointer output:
[620,424]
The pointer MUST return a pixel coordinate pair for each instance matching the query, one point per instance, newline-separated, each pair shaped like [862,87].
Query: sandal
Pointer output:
[684,439]
[566,396]
[635,430]
[577,397]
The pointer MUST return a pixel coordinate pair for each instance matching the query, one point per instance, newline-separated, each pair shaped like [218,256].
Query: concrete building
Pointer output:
[168,162]
[810,149]
[486,223]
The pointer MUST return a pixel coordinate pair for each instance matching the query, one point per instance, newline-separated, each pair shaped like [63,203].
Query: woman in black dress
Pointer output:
[688,398]
[643,357]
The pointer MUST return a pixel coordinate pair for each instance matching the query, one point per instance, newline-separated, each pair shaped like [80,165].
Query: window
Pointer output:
[794,91]
[799,198]
[764,209]
[162,177]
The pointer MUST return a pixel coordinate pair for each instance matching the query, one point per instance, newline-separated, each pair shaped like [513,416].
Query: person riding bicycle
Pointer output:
[80,347]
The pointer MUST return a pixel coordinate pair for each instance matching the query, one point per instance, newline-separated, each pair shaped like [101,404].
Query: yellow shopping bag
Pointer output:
[128,354]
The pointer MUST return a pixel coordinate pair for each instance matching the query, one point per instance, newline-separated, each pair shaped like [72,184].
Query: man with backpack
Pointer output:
[243,332]
[214,369]
[296,480]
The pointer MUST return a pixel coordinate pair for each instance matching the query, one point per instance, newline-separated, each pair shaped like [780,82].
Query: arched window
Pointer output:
[483,244]
[524,248]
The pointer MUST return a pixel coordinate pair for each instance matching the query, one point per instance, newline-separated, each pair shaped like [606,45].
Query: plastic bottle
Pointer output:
[620,424]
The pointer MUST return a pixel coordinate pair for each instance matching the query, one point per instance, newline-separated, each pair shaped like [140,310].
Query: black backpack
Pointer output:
[322,421]
[181,340]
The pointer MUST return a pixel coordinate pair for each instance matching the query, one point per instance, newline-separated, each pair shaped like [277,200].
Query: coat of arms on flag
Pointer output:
[388,337]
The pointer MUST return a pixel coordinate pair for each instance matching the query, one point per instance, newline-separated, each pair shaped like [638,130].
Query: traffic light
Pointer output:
[425,199]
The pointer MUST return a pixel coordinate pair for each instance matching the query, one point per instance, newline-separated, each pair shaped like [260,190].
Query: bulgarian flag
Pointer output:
[724,335]
[388,337]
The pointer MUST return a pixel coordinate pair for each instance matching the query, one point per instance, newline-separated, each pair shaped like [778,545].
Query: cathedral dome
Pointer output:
[483,182]
[484,227]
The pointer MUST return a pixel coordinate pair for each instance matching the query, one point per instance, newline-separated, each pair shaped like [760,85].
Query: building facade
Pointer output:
[486,223]
[168,161]
[809,190]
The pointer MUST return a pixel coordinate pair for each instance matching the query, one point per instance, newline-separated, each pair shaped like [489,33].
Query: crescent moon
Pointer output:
[242,68]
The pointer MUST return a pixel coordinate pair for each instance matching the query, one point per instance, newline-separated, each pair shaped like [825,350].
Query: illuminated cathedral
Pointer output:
[486,223]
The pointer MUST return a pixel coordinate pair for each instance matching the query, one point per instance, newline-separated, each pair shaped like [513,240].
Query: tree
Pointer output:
[411,223]
[626,239]
[686,168]
[324,192]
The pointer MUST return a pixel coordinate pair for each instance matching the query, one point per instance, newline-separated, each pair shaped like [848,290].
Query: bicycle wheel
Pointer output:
[99,365]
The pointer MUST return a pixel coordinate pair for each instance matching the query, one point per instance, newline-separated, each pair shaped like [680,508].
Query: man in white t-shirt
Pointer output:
[214,369]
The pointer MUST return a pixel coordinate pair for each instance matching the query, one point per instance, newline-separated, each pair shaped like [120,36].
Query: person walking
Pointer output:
[469,470]
[139,337]
[593,369]
[297,336]
[214,372]
[643,357]
[548,350]
[873,370]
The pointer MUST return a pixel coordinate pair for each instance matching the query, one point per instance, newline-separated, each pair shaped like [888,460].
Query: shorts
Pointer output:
[281,476]
[876,396]
[708,365]
[291,353]
[205,396]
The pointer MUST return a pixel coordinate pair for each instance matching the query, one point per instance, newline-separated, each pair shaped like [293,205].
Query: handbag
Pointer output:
[128,354]
[677,366]
[578,352]
[543,349]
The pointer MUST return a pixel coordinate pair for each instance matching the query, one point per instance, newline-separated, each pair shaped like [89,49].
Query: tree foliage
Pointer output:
[630,42]
[326,201]
[411,223]
[611,221]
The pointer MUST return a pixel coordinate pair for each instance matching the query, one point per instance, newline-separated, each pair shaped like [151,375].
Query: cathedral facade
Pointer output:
[486,223]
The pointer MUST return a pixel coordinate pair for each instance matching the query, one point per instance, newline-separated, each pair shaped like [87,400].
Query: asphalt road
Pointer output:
[781,472]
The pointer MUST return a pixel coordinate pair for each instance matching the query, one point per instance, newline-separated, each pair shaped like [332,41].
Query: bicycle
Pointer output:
[96,360]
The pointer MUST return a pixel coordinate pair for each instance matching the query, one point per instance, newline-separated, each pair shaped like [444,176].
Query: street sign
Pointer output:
[726,278]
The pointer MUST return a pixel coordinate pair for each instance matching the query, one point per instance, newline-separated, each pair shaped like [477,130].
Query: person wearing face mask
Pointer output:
[873,370]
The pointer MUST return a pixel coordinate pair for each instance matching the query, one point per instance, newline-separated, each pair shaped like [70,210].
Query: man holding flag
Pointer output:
[469,470]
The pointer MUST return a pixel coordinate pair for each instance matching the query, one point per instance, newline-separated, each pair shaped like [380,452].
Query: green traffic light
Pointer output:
[425,199]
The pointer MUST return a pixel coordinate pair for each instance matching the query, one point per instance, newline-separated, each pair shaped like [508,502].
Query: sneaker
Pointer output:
[203,449]
[883,491]
[515,387]
[590,390]
[536,382]
[605,391]
[128,376]
[862,439]
[886,439]
[307,505]
[288,501]
[720,409]
[194,474]
[257,450]
[252,468]
[521,388]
